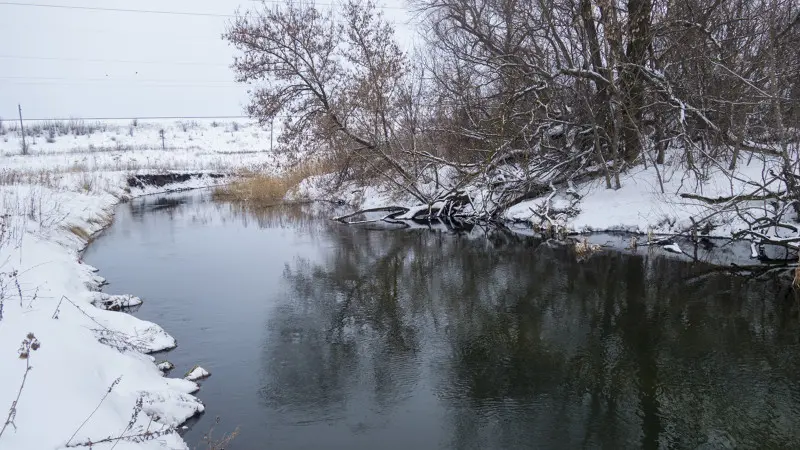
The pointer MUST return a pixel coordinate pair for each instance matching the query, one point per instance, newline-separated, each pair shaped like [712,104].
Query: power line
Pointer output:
[113,80]
[126,10]
[173,35]
[125,61]
[129,86]
[64,119]
[153,11]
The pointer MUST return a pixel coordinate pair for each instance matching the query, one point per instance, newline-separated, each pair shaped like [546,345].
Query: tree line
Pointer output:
[519,96]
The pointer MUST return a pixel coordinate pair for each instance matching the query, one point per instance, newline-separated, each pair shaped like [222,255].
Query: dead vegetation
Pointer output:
[266,189]
[80,232]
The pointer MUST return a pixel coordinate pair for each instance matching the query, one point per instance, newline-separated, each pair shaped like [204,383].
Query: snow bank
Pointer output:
[639,206]
[84,349]
[91,357]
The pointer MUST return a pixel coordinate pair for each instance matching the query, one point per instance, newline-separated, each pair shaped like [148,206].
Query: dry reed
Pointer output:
[263,189]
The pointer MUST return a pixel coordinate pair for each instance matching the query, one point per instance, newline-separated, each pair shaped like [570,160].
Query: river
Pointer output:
[325,336]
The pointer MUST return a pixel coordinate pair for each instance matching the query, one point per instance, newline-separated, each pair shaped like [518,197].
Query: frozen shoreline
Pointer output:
[83,348]
[90,378]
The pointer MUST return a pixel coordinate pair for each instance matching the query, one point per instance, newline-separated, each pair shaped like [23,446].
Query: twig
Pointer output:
[58,308]
[64,297]
[137,408]
[141,437]
[108,391]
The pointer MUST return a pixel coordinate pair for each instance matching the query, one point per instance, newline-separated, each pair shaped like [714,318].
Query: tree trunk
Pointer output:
[605,114]
[639,39]
[661,144]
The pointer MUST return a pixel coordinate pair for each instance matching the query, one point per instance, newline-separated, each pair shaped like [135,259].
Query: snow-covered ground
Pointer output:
[640,206]
[188,145]
[90,378]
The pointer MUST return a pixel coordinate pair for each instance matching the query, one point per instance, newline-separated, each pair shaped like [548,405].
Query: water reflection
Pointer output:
[334,336]
[527,346]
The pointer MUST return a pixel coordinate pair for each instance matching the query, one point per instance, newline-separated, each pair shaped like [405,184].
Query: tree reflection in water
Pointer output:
[526,347]
[413,338]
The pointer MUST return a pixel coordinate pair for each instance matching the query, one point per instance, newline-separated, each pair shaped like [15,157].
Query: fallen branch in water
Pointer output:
[392,209]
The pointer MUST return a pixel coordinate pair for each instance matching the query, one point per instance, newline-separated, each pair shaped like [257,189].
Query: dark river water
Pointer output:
[325,336]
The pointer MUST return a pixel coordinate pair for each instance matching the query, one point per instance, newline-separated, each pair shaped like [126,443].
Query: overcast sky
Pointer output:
[81,63]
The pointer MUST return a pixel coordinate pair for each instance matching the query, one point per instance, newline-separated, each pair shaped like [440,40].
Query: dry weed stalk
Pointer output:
[29,345]
[218,444]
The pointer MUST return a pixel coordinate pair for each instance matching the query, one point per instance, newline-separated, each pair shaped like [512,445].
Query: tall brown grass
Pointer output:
[264,189]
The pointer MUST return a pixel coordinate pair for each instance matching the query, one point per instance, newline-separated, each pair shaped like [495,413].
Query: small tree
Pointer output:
[336,80]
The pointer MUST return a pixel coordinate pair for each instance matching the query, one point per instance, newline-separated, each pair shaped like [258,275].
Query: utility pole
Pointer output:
[22,130]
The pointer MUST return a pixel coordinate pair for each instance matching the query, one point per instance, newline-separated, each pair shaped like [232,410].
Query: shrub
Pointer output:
[80,128]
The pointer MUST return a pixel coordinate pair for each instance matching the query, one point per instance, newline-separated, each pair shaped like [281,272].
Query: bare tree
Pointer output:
[337,81]
[518,98]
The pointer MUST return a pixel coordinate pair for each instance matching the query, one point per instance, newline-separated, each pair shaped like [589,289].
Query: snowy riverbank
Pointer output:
[640,206]
[90,379]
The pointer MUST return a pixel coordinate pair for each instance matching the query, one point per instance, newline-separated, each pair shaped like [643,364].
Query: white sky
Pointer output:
[72,65]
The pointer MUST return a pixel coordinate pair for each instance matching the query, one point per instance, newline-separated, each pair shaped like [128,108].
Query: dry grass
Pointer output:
[218,444]
[80,232]
[37,177]
[262,189]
